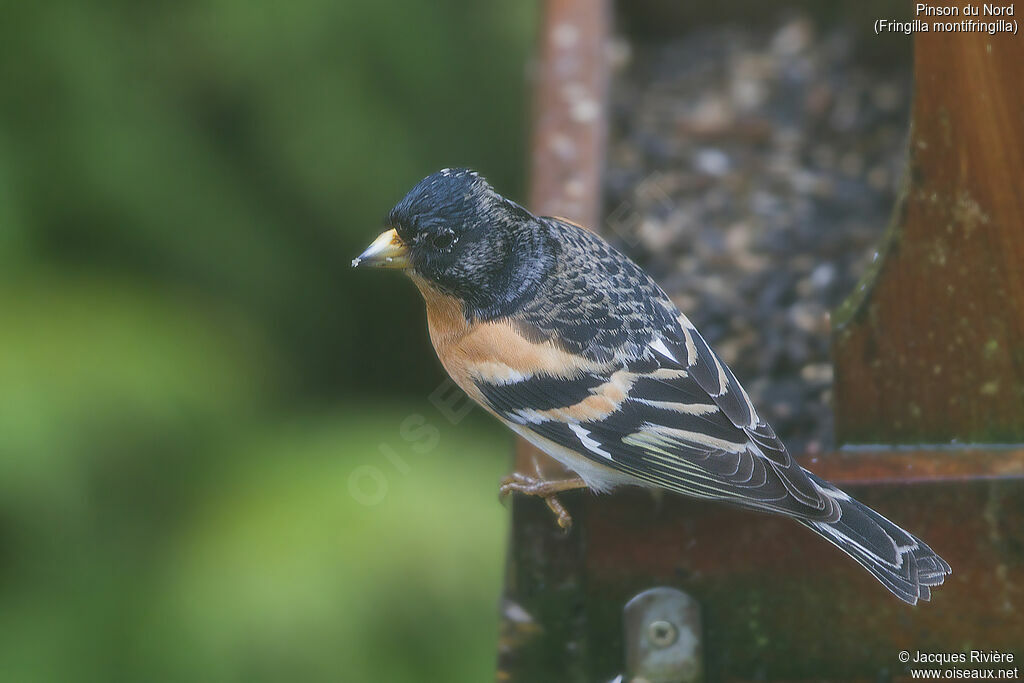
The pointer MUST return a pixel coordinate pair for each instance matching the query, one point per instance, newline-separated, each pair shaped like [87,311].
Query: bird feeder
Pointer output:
[928,400]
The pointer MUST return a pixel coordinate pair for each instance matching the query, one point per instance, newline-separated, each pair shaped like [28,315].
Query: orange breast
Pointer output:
[495,351]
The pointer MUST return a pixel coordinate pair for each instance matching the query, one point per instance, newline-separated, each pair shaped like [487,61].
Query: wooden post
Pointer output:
[566,163]
[931,349]
[568,132]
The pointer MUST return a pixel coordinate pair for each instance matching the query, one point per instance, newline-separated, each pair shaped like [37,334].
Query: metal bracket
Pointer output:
[663,637]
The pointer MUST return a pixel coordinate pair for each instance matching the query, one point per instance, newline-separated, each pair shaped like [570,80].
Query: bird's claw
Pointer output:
[548,490]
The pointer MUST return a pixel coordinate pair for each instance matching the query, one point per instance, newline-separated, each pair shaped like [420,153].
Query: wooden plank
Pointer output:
[932,348]
[778,602]
[914,465]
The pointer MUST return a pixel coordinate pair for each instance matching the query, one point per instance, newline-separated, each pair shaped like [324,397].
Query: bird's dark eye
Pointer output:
[443,240]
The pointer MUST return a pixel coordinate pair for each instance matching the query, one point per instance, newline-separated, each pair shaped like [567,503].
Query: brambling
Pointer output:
[573,347]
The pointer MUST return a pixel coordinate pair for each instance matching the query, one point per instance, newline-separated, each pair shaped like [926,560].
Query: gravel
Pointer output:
[752,171]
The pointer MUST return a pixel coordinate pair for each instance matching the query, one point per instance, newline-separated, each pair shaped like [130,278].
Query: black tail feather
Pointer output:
[899,560]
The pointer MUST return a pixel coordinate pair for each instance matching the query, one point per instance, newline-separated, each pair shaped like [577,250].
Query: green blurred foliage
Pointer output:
[248,151]
[190,373]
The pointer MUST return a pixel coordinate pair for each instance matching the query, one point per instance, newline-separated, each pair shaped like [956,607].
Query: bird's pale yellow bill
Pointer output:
[387,251]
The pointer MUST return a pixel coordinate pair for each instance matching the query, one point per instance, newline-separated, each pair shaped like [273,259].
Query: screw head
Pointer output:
[662,633]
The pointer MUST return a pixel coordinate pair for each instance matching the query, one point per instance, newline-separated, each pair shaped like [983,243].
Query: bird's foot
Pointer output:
[548,490]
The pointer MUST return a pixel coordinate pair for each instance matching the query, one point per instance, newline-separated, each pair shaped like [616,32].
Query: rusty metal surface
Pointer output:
[934,348]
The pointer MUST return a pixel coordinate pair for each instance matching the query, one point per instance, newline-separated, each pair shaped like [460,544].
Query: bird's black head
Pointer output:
[453,231]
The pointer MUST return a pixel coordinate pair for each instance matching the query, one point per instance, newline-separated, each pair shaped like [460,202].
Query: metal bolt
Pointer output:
[662,633]
[663,637]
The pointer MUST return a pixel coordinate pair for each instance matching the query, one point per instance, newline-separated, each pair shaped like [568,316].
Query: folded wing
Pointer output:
[673,415]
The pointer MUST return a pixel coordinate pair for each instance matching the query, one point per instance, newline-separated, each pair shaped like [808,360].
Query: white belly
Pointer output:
[597,476]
